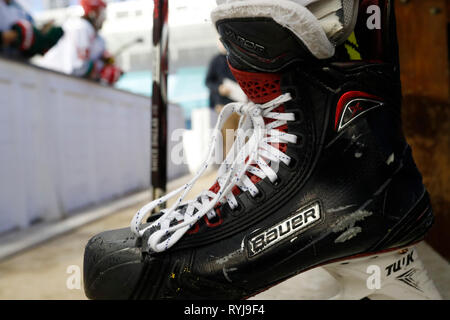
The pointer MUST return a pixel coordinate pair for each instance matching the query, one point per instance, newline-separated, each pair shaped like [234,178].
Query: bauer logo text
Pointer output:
[299,221]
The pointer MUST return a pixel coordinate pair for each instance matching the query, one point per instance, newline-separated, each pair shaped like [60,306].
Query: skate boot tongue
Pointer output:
[260,88]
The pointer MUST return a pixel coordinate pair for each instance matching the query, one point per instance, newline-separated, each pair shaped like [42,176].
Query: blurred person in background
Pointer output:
[19,37]
[82,51]
[223,89]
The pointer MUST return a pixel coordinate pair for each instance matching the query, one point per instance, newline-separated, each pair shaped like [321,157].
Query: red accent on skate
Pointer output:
[215,187]
[348,97]
[259,87]
[194,229]
[215,224]
[423,213]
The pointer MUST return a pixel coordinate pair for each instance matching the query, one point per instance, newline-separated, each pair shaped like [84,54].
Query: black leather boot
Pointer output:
[340,184]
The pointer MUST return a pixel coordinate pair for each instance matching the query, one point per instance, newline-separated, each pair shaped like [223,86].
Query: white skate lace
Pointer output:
[256,149]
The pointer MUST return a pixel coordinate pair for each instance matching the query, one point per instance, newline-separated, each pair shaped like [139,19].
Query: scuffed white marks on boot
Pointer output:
[225,273]
[340,208]
[390,159]
[348,234]
[226,258]
[347,224]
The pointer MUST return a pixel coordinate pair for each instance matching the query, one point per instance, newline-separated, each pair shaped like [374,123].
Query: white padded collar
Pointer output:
[288,14]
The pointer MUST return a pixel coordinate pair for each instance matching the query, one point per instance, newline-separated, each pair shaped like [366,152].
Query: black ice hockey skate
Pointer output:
[325,177]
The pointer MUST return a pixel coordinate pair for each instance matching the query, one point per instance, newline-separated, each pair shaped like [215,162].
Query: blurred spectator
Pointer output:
[19,37]
[223,89]
[218,70]
[82,51]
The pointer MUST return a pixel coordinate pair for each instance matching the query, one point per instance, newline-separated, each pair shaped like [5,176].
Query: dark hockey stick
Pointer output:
[159,99]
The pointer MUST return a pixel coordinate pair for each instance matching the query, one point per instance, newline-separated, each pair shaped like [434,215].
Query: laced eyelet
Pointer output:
[257,196]
[277,182]
[213,224]
[300,140]
[292,163]
[194,230]
[260,196]
[292,91]
[236,211]
[299,116]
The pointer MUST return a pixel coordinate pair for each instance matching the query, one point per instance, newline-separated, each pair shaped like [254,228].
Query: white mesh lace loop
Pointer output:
[173,224]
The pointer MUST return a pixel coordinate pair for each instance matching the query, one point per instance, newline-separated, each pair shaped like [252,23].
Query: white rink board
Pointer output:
[66,144]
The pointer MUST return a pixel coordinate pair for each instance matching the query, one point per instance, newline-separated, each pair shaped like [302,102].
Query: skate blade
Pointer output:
[394,275]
